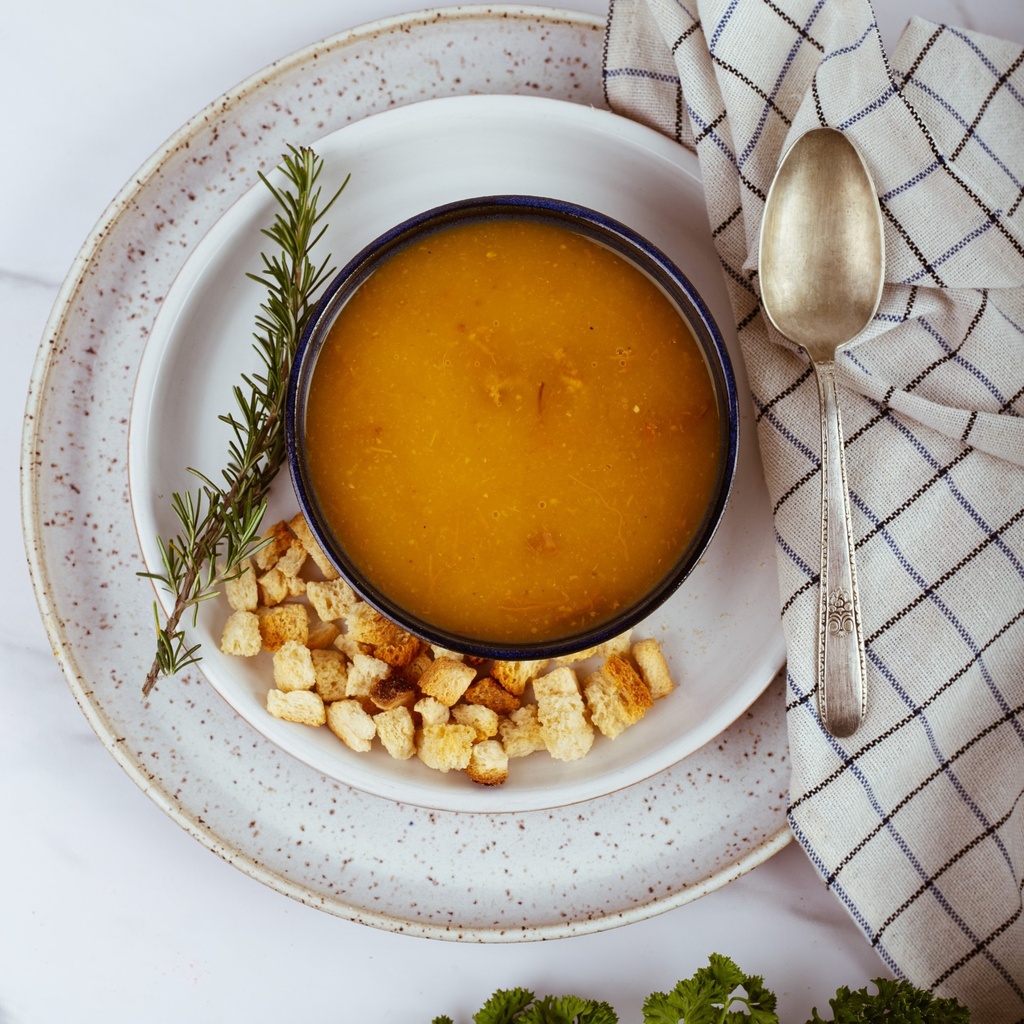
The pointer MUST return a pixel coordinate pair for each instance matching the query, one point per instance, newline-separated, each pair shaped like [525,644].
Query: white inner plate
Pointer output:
[720,632]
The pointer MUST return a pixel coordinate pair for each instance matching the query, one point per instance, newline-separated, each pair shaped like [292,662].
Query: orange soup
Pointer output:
[511,431]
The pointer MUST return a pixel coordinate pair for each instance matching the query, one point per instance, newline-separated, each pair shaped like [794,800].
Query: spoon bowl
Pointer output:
[822,266]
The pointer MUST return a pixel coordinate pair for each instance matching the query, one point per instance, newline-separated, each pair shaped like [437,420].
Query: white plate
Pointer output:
[720,631]
[475,877]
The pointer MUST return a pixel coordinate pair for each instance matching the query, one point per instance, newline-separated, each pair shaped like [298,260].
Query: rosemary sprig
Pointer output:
[220,523]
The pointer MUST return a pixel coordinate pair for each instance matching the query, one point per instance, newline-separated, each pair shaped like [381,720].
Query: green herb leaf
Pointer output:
[220,523]
[505,1006]
[894,1002]
[717,994]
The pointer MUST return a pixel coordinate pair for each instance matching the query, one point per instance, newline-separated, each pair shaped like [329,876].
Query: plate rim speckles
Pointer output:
[692,829]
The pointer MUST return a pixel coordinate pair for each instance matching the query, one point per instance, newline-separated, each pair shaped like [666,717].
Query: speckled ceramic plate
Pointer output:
[449,874]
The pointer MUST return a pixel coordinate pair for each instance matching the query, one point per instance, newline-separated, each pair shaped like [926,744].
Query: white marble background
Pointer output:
[108,911]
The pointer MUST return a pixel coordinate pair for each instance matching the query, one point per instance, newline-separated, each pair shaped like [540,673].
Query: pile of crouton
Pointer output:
[338,662]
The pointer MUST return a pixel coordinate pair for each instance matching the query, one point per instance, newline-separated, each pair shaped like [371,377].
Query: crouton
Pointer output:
[292,559]
[488,693]
[283,622]
[432,711]
[331,599]
[442,652]
[567,734]
[242,591]
[400,652]
[300,528]
[483,720]
[514,675]
[651,661]
[413,671]
[241,635]
[349,647]
[331,672]
[397,732]
[488,763]
[321,635]
[616,645]
[302,706]
[363,672]
[293,667]
[616,696]
[446,680]
[447,746]
[273,587]
[367,626]
[279,539]
[394,692]
[351,724]
[520,732]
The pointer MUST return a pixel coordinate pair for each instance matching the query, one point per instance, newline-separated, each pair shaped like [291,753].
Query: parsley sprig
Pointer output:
[722,994]
[220,521]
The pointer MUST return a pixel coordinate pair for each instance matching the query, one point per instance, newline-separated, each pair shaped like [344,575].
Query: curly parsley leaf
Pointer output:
[895,1002]
[717,994]
[504,1007]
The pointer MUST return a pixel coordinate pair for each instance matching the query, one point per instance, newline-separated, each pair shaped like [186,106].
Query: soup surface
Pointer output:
[511,431]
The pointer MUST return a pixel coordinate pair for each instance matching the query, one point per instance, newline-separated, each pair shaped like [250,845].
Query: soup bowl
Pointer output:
[512,426]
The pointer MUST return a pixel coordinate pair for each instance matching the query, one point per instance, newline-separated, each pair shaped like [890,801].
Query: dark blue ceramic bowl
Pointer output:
[627,244]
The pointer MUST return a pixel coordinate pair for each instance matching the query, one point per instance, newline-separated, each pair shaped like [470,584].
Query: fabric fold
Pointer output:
[917,821]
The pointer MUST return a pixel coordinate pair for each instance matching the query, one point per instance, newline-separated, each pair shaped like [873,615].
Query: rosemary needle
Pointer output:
[220,521]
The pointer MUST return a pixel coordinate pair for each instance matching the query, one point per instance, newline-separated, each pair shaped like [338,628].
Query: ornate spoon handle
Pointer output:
[841,677]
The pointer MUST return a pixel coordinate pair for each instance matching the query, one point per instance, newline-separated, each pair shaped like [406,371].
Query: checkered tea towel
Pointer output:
[916,823]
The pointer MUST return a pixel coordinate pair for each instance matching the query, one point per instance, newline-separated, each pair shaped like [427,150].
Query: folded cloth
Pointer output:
[916,822]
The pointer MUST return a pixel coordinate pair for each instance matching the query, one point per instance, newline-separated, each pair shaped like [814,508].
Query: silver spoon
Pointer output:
[822,262]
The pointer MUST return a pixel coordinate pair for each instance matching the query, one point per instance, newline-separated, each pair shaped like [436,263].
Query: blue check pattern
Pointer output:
[916,823]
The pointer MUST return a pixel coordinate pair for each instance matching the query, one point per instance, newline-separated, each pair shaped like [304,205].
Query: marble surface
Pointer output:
[110,911]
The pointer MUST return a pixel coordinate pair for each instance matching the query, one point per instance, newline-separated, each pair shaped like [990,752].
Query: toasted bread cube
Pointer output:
[483,720]
[521,733]
[394,692]
[442,652]
[322,635]
[279,539]
[293,667]
[413,671]
[349,647]
[331,599]
[446,747]
[488,763]
[302,706]
[447,680]
[432,711]
[292,559]
[363,672]
[300,528]
[515,675]
[401,651]
[616,696]
[284,622]
[488,693]
[273,585]
[562,715]
[365,624]
[331,671]
[397,732]
[241,635]
[653,667]
[616,645]
[351,724]
[296,586]
[242,591]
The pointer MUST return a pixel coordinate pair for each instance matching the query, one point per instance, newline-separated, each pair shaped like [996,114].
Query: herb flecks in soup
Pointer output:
[511,431]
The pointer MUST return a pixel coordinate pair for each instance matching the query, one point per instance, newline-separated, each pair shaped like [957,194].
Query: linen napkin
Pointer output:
[916,822]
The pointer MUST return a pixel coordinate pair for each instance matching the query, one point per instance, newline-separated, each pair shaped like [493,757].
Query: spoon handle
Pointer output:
[841,677]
